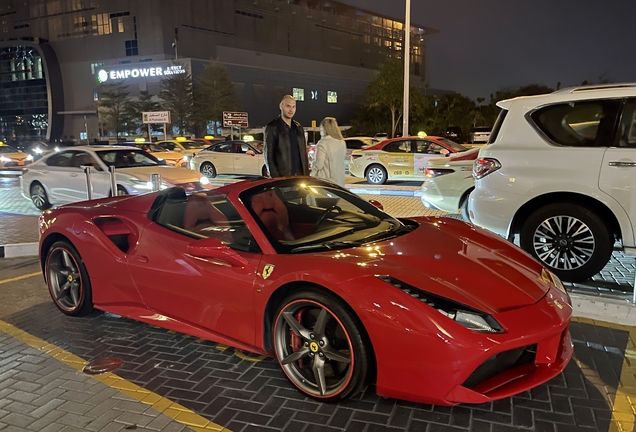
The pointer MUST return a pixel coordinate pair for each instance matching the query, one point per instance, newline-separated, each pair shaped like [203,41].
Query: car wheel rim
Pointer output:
[38,196]
[314,349]
[65,280]
[564,242]
[375,175]
[208,171]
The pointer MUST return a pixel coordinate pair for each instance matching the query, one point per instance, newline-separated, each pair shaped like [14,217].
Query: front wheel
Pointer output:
[67,280]
[376,174]
[569,239]
[320,347]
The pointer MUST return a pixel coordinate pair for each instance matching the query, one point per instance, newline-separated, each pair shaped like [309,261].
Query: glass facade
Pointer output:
[23,94]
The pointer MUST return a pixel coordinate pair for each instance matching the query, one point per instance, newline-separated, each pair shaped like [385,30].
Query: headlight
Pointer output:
[204,180]
[468,317]
[4,159]
[38,150]
[29,157]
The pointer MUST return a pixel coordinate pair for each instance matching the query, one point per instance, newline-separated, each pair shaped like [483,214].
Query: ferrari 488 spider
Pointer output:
[430,309]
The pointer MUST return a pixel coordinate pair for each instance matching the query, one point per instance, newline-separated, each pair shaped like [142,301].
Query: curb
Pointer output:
[19,250]
[604,309]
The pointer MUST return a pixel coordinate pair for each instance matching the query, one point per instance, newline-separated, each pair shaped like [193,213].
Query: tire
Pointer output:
[208,170]
[121,191]
[463,207]
[340,350]
[376,174]
[572,241]
[39,197]
[67,280]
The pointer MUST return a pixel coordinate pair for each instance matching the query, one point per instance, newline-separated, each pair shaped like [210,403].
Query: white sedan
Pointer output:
[59,178]
[231,157]
[449,182]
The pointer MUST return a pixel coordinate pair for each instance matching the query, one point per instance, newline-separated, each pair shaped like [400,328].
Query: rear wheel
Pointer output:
[569,239]
[376,174]
[67,280]
[39,197]
[208,170]
[320,347]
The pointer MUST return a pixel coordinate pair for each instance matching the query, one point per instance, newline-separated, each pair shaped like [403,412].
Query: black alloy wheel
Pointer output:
[569,239]
[67,280]
[320,346]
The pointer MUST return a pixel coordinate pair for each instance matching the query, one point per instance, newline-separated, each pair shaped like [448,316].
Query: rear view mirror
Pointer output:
[212,248]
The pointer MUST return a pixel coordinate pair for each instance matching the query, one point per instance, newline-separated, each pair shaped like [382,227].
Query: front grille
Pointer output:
[499,363]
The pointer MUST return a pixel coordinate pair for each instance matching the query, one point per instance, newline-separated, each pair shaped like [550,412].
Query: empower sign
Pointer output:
[150,71]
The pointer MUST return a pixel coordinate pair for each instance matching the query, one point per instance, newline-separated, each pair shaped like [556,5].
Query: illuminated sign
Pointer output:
[156,117]
[332,97]
[148,72]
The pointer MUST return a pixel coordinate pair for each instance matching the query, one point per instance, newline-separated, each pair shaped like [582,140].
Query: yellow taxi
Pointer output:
[184,146]
[12,159]
[403,158]
[171,158]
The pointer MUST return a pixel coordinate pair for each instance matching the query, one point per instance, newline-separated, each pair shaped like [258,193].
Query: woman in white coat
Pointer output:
[329,159]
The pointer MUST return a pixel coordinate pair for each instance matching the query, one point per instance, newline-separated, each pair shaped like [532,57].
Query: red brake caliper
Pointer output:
[295,341]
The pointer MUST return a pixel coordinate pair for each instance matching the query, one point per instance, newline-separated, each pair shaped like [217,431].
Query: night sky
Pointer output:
[484,45]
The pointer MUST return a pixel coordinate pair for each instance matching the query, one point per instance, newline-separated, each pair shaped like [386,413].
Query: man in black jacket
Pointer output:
[285,148]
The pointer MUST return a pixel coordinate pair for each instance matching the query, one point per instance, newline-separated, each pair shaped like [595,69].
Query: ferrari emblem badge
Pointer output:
[268,270]
[313,347]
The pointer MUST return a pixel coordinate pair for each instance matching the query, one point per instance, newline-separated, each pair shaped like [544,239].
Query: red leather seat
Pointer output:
[200,215]
[271,210]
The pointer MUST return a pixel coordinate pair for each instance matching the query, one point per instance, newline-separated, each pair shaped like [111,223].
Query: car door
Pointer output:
[397,157]
[55,175]
[618,170]
[246,160]
[206,293]
[76,180]
[222,157]
[424,151]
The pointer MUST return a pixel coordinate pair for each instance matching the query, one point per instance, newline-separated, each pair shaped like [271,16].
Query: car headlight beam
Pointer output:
[466,316]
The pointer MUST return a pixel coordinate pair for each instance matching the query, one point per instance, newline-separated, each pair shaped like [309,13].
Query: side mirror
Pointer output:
[212,248]
[377,204]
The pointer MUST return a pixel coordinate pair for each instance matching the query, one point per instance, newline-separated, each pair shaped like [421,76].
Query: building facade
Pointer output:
[53,54]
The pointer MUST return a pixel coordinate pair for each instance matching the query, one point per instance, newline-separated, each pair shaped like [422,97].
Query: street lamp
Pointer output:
[407,62]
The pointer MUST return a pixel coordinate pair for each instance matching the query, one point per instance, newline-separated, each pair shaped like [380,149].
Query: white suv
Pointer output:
[560,171]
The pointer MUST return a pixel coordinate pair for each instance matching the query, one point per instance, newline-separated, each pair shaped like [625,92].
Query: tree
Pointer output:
[386,91]
[113,106]
[176,94]
[144,103]
[214,94]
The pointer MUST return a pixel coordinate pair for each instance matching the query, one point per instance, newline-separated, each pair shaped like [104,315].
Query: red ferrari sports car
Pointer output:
[431,309]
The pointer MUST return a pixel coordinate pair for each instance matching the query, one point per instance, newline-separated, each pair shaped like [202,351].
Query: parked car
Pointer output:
[336,290]
[36,149]
[480,134]
[184,146]
[353,143]
[231,157]
[172,158]
[455,133]
[449,182]
[402,158]
[560,173]
[12,159]
[59,178]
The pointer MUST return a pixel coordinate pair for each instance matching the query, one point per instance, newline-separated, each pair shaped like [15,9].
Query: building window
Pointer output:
[124,62]
[143,60]
[131,48]
[299,94]
[120,25]
[95,95]
[77,4]
[94,66]
[80,22]
[101,24]
[332,97]
[259,91]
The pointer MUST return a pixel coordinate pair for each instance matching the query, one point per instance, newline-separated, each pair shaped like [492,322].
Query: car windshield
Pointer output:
[453,144]
[482,129]
[307,215]
[190,145]
[127,158]
[7,149]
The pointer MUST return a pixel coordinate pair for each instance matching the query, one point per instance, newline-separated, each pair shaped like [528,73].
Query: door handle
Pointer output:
[623,164]
[142,259]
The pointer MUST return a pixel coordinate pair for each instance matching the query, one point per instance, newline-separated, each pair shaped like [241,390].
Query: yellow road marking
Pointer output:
[623,412]
[174,410]
[26,276]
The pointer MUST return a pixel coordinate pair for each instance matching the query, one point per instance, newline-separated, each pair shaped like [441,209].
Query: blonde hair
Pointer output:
[330,126]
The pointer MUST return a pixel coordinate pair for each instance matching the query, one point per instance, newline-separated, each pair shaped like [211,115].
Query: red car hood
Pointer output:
[457,261]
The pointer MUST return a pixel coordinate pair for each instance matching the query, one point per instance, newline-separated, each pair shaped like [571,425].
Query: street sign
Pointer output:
[234,118]
[156,117]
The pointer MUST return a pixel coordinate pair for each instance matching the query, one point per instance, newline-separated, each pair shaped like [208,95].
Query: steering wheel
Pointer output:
[324,215]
